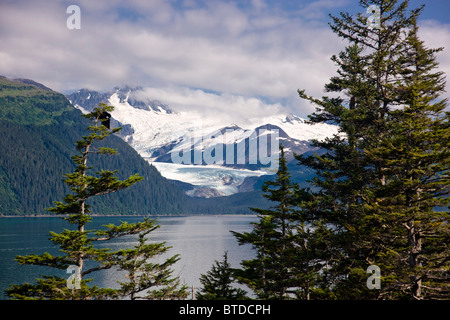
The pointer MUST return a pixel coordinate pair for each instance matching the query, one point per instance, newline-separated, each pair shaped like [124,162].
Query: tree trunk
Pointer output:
[82,208]
[415,245]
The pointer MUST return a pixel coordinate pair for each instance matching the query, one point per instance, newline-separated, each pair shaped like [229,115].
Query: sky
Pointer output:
[234,57]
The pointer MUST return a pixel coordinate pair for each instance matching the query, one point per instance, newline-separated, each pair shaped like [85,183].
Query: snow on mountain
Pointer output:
[161,135]
[154,128]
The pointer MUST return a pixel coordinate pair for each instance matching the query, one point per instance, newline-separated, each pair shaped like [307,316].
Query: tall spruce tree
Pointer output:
[270,274]
[416,158]
[77,244]
[381,177]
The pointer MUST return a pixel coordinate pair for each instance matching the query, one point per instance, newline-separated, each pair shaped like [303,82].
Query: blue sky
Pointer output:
[242,55]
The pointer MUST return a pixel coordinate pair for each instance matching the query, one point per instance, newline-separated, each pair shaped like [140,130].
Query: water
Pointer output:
[200,240]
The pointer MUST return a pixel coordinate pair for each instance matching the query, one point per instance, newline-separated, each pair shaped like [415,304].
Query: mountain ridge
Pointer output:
[161,135]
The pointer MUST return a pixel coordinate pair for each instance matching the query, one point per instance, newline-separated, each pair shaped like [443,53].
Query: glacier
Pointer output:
[225,180]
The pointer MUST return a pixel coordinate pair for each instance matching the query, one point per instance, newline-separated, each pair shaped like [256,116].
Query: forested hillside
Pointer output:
[38,129]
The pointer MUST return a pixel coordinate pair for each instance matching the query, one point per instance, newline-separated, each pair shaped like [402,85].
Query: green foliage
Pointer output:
[217,283]
[27,104]
[270,275]
[141,273]
[380,195]
[381,180]
[54,288]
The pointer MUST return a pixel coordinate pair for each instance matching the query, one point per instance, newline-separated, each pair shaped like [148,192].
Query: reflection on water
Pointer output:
[198,239]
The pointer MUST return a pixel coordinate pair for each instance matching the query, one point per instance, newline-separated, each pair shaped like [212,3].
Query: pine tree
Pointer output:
[417,181]
[380,178]
[270,274]
[217,283]
[77,245]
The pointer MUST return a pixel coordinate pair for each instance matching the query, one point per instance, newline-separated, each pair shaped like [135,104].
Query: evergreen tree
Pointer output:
[270,274]
[77,245]
[217,283]
[416,158]
[379,180]
[143,275]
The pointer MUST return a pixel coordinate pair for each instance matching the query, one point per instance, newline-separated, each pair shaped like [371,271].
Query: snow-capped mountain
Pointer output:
[212,157]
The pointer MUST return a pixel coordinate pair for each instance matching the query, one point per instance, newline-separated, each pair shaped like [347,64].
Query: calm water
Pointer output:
[198,239]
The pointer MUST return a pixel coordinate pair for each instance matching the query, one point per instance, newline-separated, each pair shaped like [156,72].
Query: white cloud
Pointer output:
[217,47]
[242,51]
[225,108]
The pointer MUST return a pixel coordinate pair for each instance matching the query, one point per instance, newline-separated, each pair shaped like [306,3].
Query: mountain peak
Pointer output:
[17,81]
[232,127]
[25,101]
[292,118]
[89,99]
[270,127]
[34,83]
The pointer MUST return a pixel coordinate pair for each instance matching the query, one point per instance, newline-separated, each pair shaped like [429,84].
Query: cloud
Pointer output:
[223,107]
[251,49]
